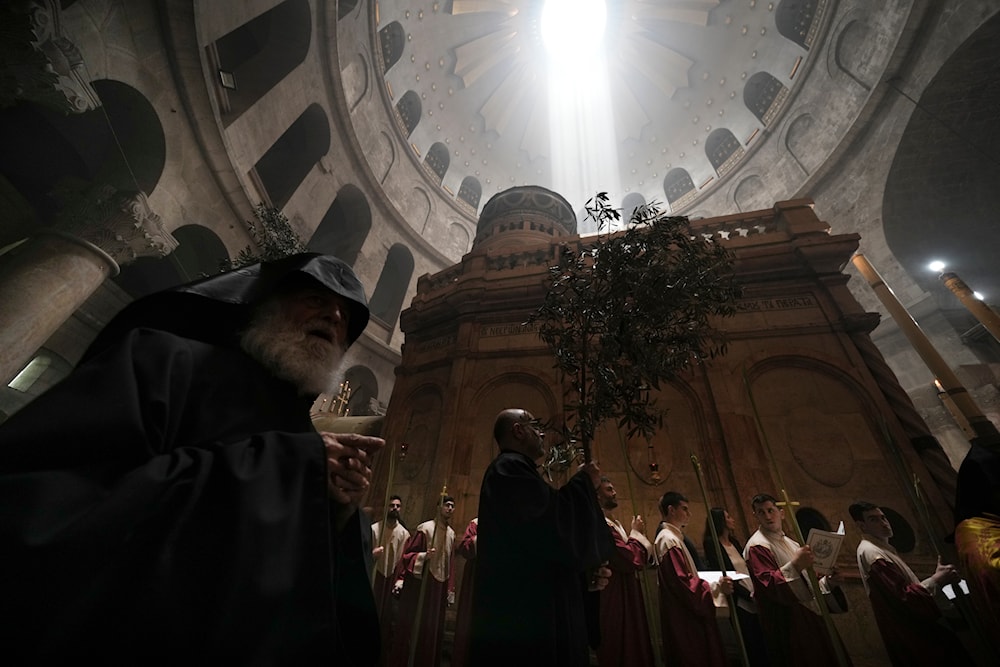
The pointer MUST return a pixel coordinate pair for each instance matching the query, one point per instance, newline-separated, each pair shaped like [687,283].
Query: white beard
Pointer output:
[311,363]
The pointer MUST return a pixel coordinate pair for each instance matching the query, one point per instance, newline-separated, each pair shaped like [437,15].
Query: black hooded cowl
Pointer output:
[167,502]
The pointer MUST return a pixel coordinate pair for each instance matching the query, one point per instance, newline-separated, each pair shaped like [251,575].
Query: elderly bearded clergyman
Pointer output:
[171,500]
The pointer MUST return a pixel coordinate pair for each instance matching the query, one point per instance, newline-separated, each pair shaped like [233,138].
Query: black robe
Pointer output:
[535,546]
[168,502]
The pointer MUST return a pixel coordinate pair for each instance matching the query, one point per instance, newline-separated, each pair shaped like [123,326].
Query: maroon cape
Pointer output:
[467,550]
[907,617]
[687,616]
[429,637]
[794,634]
[624,627]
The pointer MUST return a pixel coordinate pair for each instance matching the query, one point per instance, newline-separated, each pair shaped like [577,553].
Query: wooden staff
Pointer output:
[415,634]
[817,593]
[730,599]
[385,511]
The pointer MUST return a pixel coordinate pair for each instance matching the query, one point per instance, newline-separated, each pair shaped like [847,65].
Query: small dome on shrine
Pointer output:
[524,214]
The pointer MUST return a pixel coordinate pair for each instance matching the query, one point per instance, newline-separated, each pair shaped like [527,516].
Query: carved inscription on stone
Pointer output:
[790,302]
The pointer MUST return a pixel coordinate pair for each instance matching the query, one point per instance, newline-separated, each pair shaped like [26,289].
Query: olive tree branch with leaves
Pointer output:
[272,235]
[626,311]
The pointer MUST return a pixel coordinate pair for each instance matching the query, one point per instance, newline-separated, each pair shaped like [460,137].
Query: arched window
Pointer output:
[808,518]
[364,388]
[903,537]
[344,228]
[761,94]
[719,147]
[345,7]
[392,40]
[387,300]
[286,163]
[677,184]
[632,201]
[437,160]
[471,191]
[794,18]
[409,110]
[44,150]
[260,53]
[199,253]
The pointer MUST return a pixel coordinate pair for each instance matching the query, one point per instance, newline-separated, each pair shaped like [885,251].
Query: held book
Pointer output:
[825,546]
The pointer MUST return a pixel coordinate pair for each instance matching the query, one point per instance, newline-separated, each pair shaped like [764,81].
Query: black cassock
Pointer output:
[168,502]
[535,545]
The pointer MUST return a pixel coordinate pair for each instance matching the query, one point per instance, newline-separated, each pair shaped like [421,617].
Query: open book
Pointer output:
[825,546]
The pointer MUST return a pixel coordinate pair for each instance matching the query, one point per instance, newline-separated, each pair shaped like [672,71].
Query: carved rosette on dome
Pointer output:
[122,224]
[522,215]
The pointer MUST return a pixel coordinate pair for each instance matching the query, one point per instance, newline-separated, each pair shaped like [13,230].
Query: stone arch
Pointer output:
[287,162]
[763,95]
[794,18]
[459,238]
[392,40]
[418,208]
[676,184]
[199,253]
[799,138]
[437,160]
[394,281]
[822,424]
[515,388]
[383,156]
[720,146]
[354,77]
[471,191]
[853,53]
[941,190]
[345,226]
[364,388]
[262,52]
[630,203]
[809,518]
[423,432]
[747,193]
[345,7]
[904,538]
[409,109]
[46,153]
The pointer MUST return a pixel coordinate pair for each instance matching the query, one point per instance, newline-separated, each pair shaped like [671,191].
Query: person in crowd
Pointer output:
[687,603]
[905,610]
[540,551]
[423,583]
[794,630]
[388,537]
[732,561]
[625,636]
[170,500]
[463,613]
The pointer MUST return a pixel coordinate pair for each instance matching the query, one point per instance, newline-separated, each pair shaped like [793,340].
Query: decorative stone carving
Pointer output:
[71,91]
[120,223]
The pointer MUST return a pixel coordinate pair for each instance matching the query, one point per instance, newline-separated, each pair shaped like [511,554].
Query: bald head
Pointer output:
[518,430]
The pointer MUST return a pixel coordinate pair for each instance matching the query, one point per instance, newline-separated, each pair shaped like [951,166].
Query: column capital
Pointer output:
[56,76]
[122,224]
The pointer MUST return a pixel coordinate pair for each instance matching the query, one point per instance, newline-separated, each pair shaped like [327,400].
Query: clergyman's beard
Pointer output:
[310,363]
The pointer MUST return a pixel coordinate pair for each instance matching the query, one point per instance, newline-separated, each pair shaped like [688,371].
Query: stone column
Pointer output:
[47,277]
